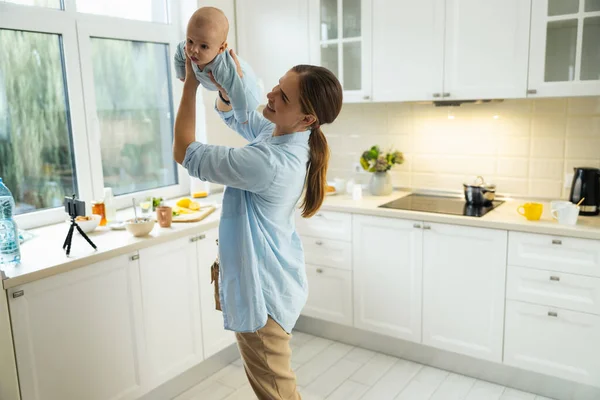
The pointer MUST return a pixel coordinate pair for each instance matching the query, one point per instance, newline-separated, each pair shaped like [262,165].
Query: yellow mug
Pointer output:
[531,211]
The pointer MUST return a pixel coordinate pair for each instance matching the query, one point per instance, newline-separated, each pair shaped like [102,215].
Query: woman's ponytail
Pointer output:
[316,179]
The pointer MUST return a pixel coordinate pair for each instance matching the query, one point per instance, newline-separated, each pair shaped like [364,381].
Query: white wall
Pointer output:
[526,150]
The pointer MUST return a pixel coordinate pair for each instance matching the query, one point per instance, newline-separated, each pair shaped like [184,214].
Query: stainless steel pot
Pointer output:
[479,193]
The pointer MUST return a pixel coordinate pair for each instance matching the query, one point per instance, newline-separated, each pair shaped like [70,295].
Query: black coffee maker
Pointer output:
[586,185]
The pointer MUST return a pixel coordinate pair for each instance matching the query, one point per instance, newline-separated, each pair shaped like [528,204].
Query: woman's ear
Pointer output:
[308,120]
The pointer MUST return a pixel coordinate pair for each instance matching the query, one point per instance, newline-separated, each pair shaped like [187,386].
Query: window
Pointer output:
[86,102]
[132,102]
[36,154]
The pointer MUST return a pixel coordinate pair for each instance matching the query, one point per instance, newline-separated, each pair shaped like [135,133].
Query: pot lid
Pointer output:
[480,183]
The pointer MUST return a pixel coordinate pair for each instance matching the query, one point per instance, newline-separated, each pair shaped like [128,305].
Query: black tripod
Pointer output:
[67,244]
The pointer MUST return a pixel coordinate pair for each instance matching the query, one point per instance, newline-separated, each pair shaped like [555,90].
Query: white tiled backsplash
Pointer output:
[526,147]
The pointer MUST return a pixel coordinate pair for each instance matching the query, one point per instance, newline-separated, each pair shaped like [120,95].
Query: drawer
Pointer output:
[571,255]
[327,252]
[329,295]
[326,225]
[558,289]
[552,341]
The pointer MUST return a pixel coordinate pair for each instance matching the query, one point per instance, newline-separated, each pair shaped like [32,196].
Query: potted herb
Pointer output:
[379,163]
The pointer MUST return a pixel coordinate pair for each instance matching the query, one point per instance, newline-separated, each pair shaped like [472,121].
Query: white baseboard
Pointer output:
[527,381]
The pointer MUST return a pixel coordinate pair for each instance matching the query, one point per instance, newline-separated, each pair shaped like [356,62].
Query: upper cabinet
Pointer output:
[340,40]
[565,48]
[450,49]
[408,50]
[486,48]
[272,36]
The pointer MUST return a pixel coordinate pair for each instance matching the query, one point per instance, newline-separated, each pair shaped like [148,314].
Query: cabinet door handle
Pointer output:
[202,237]
[436,95]
[552,314]
[555,278]
[18,293]
[418,226]
[557,242]
[319,270]
[319,243]
[531,91]
[134,257]
[319,215]
[194,239]
[426,227]
[446,94]
[366,97]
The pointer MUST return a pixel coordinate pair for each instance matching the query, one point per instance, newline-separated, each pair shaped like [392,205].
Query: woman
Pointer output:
[263,284]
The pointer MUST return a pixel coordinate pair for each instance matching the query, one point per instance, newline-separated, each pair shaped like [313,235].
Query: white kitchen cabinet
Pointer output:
[565,50]
[327,252]
[387,263]
[340,40]
[450,49]
[464,271]
[326,225]
[171,306]
[215,337]
[408,50]
[79,335]
[568,291]
[553,341]
[272,37]
[329,294]
[486,49]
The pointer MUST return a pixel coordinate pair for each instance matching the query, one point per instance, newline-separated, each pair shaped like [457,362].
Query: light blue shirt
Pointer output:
[245,93]
[261,256]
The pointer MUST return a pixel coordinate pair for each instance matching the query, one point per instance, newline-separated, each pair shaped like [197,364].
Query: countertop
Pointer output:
[43,256]
[503,217]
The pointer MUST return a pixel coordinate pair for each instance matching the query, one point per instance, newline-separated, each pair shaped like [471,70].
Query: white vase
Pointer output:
[381,184]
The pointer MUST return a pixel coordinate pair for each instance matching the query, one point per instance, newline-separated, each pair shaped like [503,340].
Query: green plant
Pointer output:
[374,160]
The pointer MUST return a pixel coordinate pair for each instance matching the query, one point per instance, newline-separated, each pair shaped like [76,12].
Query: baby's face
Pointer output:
[203,43]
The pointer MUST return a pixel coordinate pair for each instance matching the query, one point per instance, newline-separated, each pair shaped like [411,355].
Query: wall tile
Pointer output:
[584,105]
[588,127]
[545,126]
[555,106]
[583,148]
[514,146]
[547,147]
[545,189]
[511,186]
[546,169]
[513,167]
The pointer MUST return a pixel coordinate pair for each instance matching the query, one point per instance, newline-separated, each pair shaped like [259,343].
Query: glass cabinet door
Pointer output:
[342,40]
[565,48]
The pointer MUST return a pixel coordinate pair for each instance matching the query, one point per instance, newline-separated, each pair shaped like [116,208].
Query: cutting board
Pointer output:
[195,217]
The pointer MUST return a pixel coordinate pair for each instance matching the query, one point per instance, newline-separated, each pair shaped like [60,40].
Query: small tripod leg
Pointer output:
[68,238]
[85,237]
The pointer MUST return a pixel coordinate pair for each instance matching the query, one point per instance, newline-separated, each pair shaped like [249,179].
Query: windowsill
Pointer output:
[43,256]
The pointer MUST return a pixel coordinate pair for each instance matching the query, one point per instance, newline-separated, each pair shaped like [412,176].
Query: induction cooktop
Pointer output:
[440,205]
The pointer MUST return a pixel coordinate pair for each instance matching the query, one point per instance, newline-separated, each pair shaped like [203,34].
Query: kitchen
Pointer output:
[411,303]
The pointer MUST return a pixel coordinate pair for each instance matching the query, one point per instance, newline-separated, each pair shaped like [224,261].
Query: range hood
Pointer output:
[457,103]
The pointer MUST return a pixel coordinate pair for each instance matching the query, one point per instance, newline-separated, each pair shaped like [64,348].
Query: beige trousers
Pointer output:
[267,359]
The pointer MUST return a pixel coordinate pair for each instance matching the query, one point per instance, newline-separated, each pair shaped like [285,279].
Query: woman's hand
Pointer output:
[189,71]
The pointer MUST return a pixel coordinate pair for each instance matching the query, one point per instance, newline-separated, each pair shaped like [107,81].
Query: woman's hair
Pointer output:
[320,96]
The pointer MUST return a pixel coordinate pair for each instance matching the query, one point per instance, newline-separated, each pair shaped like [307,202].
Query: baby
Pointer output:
[206,46]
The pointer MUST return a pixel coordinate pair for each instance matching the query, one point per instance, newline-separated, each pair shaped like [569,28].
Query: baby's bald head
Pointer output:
[210,18]
[206,35]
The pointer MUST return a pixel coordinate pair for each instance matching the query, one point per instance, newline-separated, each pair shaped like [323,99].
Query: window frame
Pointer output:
[76,30]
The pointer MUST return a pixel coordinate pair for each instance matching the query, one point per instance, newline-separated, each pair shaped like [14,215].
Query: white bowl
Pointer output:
[142,227]
[88,226]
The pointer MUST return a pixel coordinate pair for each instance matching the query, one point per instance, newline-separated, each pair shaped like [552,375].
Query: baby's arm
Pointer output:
[179,61]
[226,74]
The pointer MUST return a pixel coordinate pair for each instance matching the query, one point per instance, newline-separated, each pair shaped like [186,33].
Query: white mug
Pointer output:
[556,204]
[566,215]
